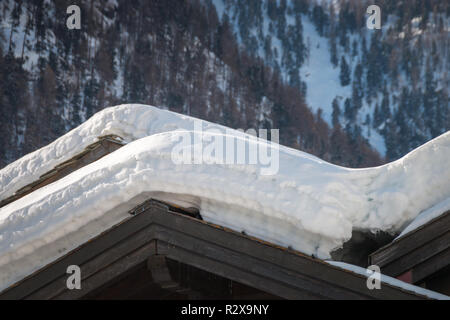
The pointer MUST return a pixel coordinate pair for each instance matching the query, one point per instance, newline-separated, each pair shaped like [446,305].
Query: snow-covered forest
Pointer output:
[350,95]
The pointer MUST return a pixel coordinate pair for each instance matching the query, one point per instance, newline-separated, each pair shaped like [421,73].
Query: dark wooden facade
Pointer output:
[421,257]
[154,237]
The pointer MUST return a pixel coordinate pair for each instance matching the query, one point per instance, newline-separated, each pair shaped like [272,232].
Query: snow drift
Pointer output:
[130,122]
[310,205]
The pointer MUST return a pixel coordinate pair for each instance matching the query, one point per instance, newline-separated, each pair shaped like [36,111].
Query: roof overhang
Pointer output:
[418,254]
[153,229]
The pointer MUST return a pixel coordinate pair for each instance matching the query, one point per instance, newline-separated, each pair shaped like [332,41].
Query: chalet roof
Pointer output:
[419,253]
[274,269]
[313,205]
[153,229]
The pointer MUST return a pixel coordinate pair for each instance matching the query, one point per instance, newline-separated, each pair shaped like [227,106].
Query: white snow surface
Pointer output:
[391,281]
[130,122]
[310,205]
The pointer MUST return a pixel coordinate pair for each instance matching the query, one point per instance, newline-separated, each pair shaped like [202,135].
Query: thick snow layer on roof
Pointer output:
[130,122]
[391,281]
[426,216]
[309,204]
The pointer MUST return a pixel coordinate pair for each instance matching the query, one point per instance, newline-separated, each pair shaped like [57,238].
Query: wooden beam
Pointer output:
[157,265]
[221,251]
[48,274]
[412,240]
[202,237]
[420,255]
[105,275]
[422,252]
[230,271]
[431,266]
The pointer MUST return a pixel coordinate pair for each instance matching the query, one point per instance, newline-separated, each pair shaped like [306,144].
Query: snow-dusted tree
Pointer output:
[344,74]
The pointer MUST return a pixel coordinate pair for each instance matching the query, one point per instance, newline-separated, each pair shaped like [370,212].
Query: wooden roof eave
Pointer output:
[156,230]
[422,251]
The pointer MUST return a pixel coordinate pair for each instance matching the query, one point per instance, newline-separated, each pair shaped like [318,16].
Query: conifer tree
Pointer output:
[344,75]
[336,112]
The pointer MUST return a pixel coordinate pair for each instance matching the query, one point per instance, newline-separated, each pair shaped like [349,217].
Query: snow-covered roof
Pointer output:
[426,216]
[309,204]
[389,280]
[130,122]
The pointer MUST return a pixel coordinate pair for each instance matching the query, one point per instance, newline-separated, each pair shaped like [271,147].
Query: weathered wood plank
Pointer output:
[311,275]
[411,241]
[83,253]
[256,274]
[420,254]
[431,266]
[101,261]
[215,249]
[249,247]
[266,284]
[103,276]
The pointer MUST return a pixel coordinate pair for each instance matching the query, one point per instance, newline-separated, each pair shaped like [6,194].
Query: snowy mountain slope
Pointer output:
[310,205]
[396,92]
[200,70]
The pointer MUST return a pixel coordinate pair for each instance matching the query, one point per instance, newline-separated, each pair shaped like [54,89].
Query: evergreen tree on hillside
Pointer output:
[357,88]
[90,97]
[430,101]
[333,50]
[320,19]
[349,110]
[75,104]
[377,117]
[13,97]
[344,75]
[385,106]
[375,65]
[336,112]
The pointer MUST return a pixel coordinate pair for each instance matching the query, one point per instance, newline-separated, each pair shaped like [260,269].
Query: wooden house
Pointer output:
[165,252]
[420,257]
